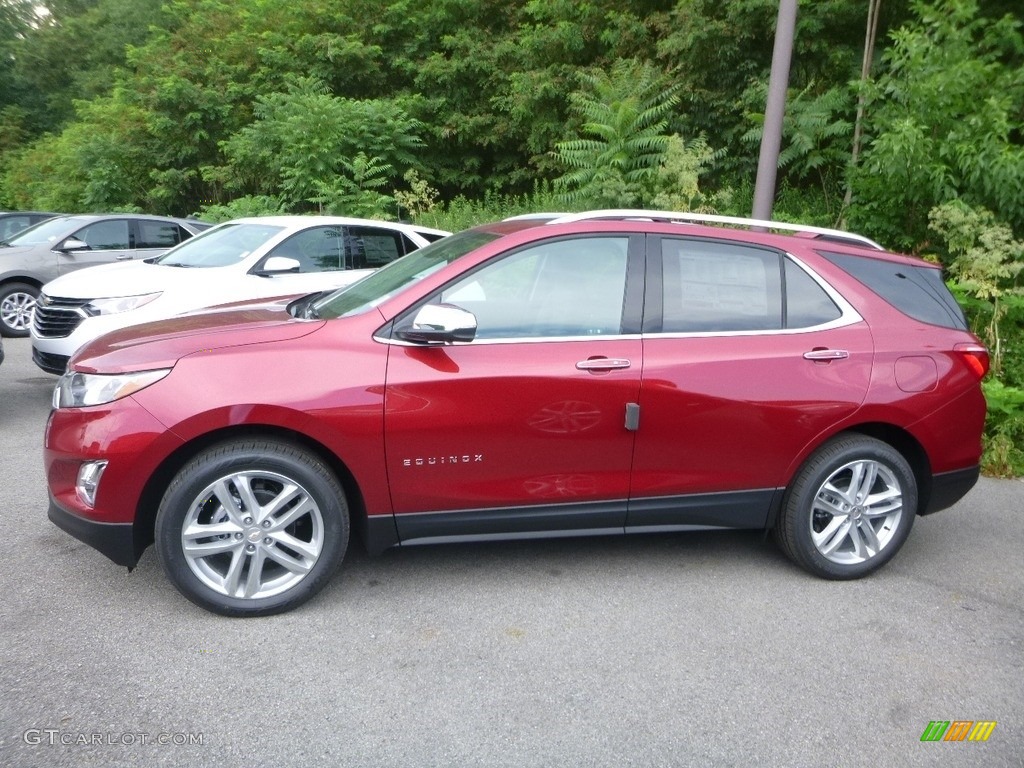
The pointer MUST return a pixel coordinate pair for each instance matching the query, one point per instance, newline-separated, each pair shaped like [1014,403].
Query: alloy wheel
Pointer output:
[252,535]
[856,512]
[16,310]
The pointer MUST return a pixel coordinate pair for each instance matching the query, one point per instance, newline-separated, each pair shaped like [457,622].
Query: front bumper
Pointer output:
[115,540]
[134,445]
[51,363]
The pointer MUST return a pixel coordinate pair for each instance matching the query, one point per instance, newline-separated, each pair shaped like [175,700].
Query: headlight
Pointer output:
[77,390]
[117,304]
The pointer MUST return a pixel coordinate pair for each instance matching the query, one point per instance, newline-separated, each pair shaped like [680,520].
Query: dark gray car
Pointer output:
[62,244]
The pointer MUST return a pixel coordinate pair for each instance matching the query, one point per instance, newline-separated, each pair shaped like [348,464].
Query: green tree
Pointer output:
[303,139]
[16,18]
[623,138]
[248,205]
[356,192]
[73,53]
[986,262]
[722,52]
[100,162]
[943,123]
[816,135]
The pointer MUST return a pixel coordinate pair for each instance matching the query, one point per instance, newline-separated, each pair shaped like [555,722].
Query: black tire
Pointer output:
[230,486]
[826,528]
[16,303]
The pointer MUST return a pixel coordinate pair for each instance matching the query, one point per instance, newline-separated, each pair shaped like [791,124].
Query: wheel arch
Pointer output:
[160,479]
[897,438]
[911,450]
[17,277]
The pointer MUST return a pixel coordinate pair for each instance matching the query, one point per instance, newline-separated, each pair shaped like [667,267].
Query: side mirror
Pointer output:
[74,244]
[277,265]
[439,324]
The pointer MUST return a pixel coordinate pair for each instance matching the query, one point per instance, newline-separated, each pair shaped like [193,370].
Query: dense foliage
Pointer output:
[460,110]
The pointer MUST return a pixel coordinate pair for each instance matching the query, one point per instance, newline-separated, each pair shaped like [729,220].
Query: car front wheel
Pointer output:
[252,528]
[849,509]
[17,301]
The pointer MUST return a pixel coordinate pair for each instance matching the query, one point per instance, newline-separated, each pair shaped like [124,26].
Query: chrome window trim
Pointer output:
[840,322]
[515,340]
[848,316]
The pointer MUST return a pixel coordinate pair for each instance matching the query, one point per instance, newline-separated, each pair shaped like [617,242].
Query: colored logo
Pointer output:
[958,730]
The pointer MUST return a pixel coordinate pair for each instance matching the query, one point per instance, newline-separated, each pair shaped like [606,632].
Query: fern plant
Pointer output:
[623,137]
[355,192]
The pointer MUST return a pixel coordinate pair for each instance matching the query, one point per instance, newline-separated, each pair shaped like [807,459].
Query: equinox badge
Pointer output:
[432,461]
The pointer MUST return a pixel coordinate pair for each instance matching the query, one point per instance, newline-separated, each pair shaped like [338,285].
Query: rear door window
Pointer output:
[712,287]
[159,234]
[372,247]
[720,287]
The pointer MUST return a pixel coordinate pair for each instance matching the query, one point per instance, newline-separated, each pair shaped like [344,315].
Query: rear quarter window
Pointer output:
[917,291]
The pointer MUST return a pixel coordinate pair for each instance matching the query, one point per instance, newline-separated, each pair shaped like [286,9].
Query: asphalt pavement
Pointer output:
[705,649]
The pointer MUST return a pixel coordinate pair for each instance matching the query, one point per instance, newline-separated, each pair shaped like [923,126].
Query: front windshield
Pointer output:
[386,282]
[48,231]
[221,246]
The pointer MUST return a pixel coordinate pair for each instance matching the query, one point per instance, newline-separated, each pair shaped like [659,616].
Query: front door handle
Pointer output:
[602,364]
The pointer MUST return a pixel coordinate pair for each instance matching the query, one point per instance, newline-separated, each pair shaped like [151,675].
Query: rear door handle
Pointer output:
[602,364]
[824,355]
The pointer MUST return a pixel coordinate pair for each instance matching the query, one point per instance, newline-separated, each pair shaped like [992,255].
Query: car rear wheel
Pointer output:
[252,528]
[850,508]
[17,301]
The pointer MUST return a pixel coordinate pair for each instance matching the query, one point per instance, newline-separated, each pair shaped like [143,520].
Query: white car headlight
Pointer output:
[78,390]
[117,304]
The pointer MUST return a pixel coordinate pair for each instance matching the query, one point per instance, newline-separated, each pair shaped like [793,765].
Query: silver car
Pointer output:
[15,222]
[62,244]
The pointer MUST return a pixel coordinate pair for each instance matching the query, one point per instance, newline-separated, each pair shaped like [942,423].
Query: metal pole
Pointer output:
[771,137]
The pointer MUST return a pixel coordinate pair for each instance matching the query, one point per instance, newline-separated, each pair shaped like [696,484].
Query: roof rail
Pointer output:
[707,218]
[539,215]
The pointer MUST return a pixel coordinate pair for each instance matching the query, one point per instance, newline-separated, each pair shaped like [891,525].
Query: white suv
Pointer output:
[241,259]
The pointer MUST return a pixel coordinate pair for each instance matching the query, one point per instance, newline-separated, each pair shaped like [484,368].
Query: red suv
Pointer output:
[608,372]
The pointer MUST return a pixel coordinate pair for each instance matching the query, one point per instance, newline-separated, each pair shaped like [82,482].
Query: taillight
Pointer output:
[975,356]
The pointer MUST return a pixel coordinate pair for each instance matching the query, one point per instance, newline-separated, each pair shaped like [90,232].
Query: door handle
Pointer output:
[602,364]
[123,257]
[825,355]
